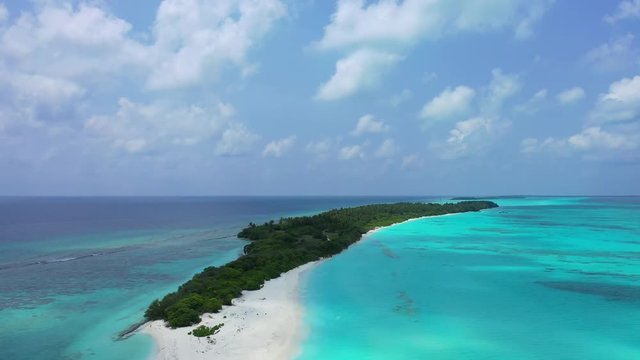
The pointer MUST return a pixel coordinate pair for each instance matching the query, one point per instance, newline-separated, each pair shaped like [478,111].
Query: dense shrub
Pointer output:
[202,331]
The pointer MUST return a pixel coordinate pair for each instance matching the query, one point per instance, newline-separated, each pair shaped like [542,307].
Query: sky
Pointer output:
[319,97]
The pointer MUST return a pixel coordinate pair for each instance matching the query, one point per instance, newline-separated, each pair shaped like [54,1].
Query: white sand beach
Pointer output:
[264,324]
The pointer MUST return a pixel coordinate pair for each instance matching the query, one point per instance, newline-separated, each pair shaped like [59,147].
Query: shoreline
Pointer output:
[264,324]
[402,222]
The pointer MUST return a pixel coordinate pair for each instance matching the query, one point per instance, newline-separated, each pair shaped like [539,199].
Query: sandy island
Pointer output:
[263,324]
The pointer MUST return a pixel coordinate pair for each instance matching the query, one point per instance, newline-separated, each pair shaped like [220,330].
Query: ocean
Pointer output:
[77,272]
[536,278]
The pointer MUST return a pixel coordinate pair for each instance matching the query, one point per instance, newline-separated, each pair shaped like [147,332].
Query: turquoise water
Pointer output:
[537,278]
[76,272]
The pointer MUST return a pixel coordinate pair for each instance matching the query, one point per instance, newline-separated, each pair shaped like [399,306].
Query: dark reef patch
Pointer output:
[611,292]
[407,304]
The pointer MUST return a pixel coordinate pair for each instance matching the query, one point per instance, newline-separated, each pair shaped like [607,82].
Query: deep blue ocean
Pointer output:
[75,272]
[536,278]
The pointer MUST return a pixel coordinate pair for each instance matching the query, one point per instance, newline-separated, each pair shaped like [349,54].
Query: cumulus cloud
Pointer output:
[628,9]
[477,134]
[359,70]
[449,104]
[190,40]
[236,140]
[4,13]
[472,136]
[392,27]
[595,137]
[59,59]
[320,148]
[136,126]
[351,152]
[617,54]
[369,124]
[356,22]
[40,89]
[532,105]
[612,129]
[279,147]
[524,27]
[501,88]
[64,41]
[401,97]
[620,104]
[387,149]
[570,96]
[193,36]
[411,162]
[589,139]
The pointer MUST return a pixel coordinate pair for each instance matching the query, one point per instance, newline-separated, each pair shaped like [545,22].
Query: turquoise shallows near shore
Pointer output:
[537,278]
[77,271]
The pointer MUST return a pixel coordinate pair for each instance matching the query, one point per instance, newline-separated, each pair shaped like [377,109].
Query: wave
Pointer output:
[53,260]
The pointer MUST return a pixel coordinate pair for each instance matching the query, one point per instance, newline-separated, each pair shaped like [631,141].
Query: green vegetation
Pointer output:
[277,247]
[202,331]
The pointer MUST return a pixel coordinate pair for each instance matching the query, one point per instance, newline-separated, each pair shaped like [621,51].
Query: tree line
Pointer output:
[279,246]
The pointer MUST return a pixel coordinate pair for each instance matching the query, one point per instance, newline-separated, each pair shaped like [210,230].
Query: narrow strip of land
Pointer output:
[277,247]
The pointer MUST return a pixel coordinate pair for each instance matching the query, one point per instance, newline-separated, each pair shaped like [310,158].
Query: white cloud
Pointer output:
[359,70]
[532,105]
[615,55]
[387,149]
[351,152]
[539,96]
[236,140]
[4,13]
[369,124]
[449,104]
[570,96]
[428,77]
[66,41]
[473,136]
[320,148]
[392,27]
[357,23]
[501,88]
[524,28]
[595,137]
[529,145]
[136,127]
[190,41]
[588,140]
[39,89]
[192,37]
[411,162]
[279,147]
[551,144]
[616,132]
[477,134]
[401,97]
[620,104]
[628,9]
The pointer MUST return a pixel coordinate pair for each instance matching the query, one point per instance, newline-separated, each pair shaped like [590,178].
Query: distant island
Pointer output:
[457,198]
[277,247]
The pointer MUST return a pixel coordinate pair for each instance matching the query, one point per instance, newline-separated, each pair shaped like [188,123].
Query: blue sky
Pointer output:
[347,97]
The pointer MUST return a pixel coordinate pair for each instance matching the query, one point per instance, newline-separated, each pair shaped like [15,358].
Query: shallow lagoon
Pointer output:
[537,278]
